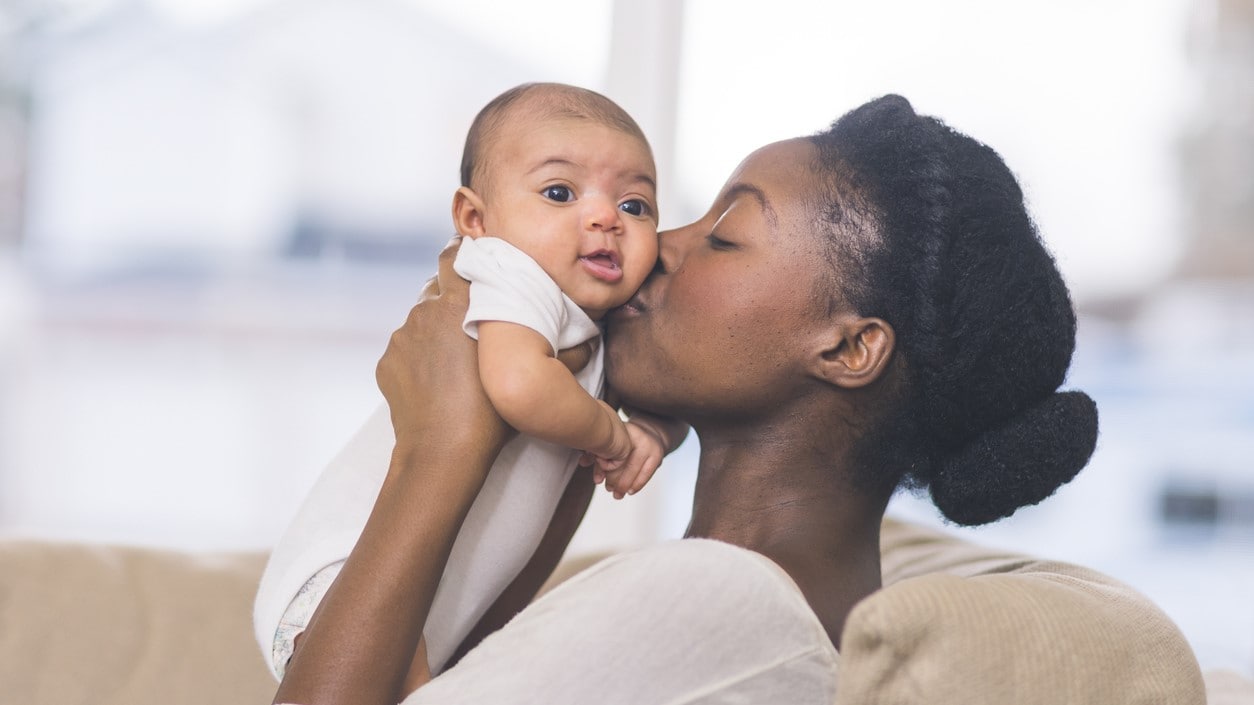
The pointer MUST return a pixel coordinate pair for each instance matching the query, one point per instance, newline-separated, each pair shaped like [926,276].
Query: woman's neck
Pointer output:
[793,501]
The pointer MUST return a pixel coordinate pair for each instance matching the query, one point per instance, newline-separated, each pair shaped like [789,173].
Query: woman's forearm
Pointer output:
[361,641]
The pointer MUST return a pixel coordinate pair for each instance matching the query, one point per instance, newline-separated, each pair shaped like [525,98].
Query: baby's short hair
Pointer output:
[547,101]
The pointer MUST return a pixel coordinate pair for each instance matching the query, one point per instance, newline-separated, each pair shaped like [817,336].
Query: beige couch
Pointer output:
[956,623]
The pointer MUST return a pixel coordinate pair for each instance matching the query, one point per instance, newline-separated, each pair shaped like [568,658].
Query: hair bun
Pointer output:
[1019,463]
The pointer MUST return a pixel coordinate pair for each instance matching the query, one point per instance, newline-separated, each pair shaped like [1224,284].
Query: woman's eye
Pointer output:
[561,194]
[634,207]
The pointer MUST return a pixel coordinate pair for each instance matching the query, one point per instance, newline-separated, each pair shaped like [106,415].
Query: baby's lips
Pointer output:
[603,265]
[603,256]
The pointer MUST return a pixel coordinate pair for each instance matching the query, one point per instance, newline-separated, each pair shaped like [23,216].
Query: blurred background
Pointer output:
[214,212]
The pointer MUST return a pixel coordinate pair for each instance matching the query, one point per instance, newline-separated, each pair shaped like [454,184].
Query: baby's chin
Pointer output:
[597,309]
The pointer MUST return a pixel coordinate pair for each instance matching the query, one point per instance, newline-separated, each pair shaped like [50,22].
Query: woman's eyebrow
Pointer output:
[740,188]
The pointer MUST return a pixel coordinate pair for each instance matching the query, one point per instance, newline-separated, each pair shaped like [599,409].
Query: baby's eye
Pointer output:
[634,207]
[561,194]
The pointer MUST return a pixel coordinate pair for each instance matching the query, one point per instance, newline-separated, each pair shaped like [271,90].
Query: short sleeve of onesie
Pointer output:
[508,285]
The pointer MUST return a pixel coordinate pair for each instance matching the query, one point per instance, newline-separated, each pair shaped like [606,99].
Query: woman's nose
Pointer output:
[673,246]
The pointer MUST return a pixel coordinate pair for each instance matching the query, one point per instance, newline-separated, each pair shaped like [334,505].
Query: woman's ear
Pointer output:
[468,211]
[856,353]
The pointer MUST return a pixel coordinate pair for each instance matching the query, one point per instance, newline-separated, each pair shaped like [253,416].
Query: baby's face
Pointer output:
[579,198]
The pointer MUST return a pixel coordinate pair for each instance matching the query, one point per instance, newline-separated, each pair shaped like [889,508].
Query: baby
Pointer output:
[559,224]
[557,202]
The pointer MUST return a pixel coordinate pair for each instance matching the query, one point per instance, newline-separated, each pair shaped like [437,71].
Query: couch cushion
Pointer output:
[1225,687]
[958,623]
[128,626]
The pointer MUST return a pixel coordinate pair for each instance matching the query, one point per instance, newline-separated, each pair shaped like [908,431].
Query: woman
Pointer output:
[861,309]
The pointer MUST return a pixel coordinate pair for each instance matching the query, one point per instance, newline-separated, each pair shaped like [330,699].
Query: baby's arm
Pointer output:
[652,437]
[535,393]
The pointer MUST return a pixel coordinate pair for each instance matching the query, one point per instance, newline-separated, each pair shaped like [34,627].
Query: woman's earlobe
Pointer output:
[468,210]
[859,353]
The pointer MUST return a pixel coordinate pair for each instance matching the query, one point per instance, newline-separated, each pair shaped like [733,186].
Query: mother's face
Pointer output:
[724,326]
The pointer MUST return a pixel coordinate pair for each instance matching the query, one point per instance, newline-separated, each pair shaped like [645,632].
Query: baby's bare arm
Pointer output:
[652,437]
[535,393]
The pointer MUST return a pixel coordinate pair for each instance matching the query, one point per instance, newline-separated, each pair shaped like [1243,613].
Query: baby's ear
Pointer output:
[468,212]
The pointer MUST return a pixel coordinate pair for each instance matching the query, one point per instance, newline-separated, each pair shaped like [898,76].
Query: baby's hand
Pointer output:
[618,448]
[631,475]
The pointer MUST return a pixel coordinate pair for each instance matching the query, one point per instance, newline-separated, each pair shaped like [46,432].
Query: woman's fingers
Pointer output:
[430,290]
[448,280]
[429,373]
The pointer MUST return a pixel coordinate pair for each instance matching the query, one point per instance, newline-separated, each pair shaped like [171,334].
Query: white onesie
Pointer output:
[510,514]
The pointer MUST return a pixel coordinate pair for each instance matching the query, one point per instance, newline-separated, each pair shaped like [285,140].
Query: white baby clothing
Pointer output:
[507,285]
[508,518]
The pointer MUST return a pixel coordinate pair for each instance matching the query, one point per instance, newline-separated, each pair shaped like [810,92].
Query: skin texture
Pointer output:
[731,334]
[393,571]
[771,375]
[361,641]
[579,198]
[562,190]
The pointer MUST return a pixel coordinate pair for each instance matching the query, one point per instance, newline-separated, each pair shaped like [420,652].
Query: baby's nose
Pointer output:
[602,214]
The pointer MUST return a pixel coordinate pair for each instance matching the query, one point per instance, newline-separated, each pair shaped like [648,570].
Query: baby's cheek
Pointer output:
[635,274]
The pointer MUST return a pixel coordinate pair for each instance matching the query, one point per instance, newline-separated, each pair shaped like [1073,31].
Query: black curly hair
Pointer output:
[930,230]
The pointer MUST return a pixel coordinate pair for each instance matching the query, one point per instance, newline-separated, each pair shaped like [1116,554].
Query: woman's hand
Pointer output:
[363,644]
[429,374]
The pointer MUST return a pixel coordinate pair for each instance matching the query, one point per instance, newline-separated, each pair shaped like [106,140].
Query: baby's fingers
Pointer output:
[614,482]
[624,481]
[610,465]
[588,461]
[627,482]
[644,474]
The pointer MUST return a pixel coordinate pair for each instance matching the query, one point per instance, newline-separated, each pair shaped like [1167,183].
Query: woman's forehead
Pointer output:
[779,165]
[781,174]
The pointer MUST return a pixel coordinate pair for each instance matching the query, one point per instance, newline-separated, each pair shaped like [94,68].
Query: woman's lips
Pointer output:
[633,307]
[603,265]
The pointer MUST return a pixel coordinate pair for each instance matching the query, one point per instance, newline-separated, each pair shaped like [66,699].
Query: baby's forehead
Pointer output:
[517,121]
[518,127]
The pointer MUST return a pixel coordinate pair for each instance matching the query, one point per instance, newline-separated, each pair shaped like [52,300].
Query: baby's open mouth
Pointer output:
[602,264]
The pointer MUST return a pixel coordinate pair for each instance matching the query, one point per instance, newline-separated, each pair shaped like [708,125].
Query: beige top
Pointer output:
[685,622]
